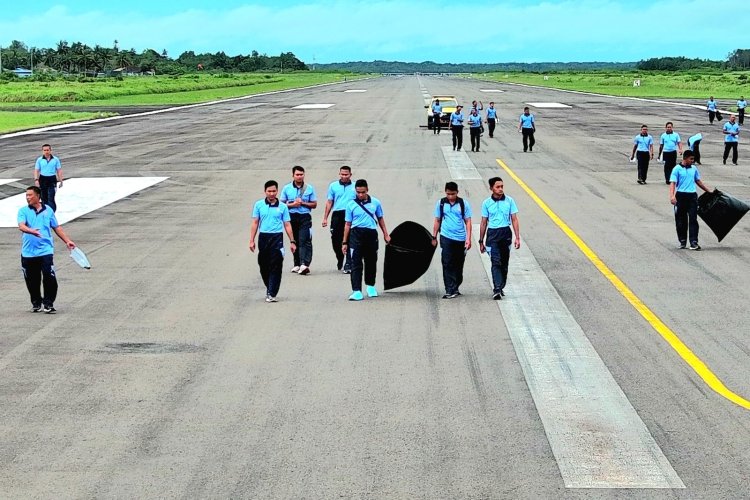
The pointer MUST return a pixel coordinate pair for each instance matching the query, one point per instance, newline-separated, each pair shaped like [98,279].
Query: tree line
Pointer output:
[79,58]
[433,67]
[736,60]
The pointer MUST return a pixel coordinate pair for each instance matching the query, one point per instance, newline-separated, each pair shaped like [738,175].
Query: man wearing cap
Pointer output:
[457,128]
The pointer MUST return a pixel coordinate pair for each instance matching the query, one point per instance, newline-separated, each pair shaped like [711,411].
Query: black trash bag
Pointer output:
[719,116]
[720,212]
[408,255]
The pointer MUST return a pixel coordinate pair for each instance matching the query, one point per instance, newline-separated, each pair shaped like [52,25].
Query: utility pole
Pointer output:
[32,61]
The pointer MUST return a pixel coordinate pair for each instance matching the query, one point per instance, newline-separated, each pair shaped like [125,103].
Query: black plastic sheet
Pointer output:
[720,212]
[408,256]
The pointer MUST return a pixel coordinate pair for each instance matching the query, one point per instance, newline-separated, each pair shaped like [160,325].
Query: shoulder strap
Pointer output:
[460,202]
[363,207]
[443,201]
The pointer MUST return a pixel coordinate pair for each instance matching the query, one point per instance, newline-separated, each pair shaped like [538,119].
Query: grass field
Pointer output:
[727,86]
[11,121]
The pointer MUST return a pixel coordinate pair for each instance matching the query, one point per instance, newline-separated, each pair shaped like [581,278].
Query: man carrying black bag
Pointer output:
[682,194]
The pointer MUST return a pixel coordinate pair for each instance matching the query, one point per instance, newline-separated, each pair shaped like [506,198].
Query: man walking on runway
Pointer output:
[731,139]
[300,199]
[48,175]
[499,213]
[670,145]
[643,150]
[340,193]
[457,128]
[682,194]
[527,127]
[453,224]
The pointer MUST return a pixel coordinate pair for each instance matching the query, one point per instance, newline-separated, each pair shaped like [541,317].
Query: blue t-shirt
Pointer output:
[475,121]
[44,221]
[453,226]
[670,141]
[491,113]
[290,192]
[644,142]
[437,108]
[498,212]
[272,217]
[341,195]
[457,118]
[527,121]
[728,127]
[684,178]
[48,168]
[693,139]
[741,104]
[359,218]
[711,105]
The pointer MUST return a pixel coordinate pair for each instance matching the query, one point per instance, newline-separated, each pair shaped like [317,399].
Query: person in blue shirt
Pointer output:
[527,127]
[475,129]
[453,224]
[499,213]
[300,198]
[437,112]
[741,105]
[682,194]
[457,128]
[363,216]
[694,145]
[271,220]
[48,175]
[37,221]
[643,150]
[712,108]
[491,118]
[340,193]
[731,138]
[670,145]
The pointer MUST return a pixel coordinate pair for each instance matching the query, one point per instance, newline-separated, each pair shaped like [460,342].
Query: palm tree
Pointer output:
[122,59]
[101,57]
[63,55]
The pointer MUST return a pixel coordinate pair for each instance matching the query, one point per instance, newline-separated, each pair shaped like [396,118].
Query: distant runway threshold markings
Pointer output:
[79,196]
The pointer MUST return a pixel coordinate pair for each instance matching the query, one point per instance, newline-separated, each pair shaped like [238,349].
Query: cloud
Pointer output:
[408,30]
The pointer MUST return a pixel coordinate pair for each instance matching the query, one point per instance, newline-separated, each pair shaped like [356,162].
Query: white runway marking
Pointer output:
[596,436]
[459,164]
[354,91]
[491,90]
[79,196]
[313,106]
[548,105]
[8,181]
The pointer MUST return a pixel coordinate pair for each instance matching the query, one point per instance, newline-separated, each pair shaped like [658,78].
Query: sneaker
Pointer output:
[49,310]
[734,163]
[357,295]
[347,271]
[270,299]
[640,181]
[502,293]
[295,269]
[695,246]
[303,270]
[725,161]
[497,296]
[36,309]
[683,245]
[450,295]
[371,291]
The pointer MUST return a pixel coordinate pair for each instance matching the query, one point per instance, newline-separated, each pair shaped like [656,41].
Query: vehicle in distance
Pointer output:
[449,103]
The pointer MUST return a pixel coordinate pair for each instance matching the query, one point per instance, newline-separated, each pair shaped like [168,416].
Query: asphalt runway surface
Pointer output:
[165,374]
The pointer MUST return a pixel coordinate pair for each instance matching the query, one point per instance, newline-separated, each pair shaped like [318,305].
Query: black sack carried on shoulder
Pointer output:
[720,212]
[408,255]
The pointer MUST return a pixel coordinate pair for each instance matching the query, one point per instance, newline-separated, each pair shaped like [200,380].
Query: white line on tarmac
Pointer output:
[8,181]
[313,106]
[548,105]
[79,196]
[459,164]
[596,436]
[354,91]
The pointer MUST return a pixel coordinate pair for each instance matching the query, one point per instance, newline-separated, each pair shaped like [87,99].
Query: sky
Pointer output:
[403,30]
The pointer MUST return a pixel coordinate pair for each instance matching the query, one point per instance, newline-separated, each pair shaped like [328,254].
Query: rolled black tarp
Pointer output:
[720,212]
[408,255]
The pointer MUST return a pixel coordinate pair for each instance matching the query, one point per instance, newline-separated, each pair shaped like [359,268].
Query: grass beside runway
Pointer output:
[727,86]
[11,121]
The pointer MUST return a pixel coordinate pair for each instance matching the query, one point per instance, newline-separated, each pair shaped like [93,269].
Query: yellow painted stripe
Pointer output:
[678,345]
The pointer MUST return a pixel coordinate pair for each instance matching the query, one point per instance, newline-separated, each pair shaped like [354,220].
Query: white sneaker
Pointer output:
[270,299]
[295,269]
[303,269]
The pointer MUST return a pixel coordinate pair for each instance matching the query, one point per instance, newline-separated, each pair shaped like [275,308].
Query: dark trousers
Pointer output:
[696,149]
[686,217]
[302,232]
[528,139]
[363,252]
[491,125]
[741,116]
[643,158]
[453,256]
[40,271]
[475,134]
[458,136]
[711,116]
[670,160]
[48,185]
[730,146]
[271,260]
[337,237]
[498,241]
[435,123]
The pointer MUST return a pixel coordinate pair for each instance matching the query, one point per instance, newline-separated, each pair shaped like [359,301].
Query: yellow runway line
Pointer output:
[657,324]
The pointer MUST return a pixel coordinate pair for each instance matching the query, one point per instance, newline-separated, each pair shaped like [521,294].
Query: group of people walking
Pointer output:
[356,217]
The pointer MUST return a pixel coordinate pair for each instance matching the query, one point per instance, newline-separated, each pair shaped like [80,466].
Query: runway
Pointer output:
[165,374]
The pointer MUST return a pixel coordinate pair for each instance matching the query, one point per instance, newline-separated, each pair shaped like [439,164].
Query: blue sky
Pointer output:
[404,30]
